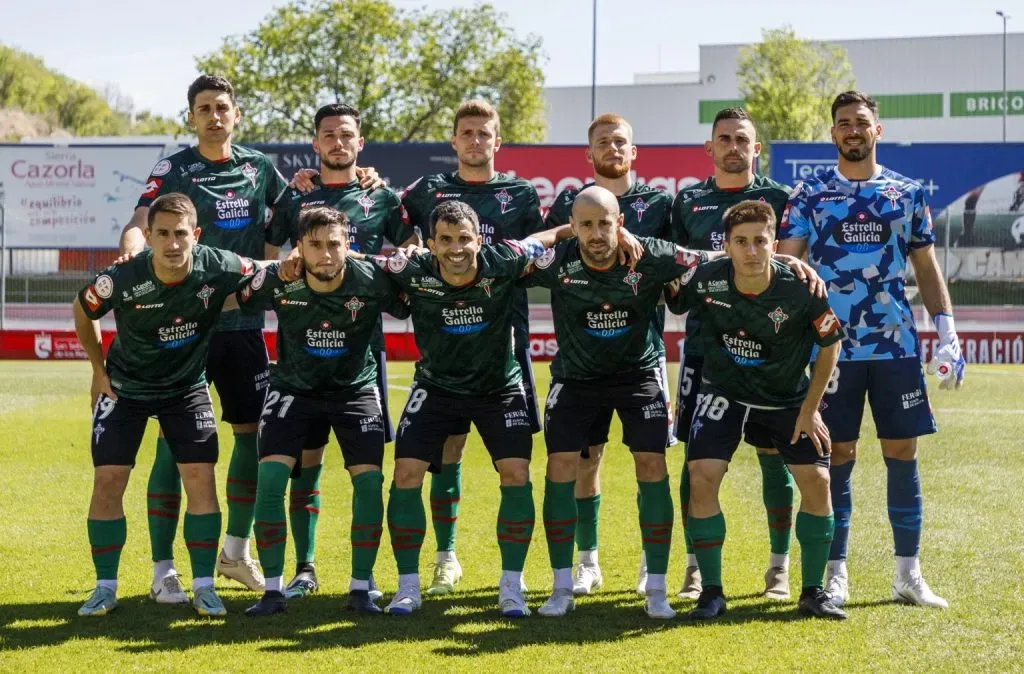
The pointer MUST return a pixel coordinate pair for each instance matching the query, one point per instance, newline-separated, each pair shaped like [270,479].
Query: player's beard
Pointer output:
[595,259]
[611,170]
[476,162]
[859,153]
[324,276]
[733,164]
[337,165]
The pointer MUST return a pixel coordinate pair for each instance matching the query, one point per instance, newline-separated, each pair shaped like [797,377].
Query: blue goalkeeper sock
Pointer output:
[842,506]
[904,500]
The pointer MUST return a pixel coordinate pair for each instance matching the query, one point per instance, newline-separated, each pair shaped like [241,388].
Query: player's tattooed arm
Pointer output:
[91,338]
[809,421]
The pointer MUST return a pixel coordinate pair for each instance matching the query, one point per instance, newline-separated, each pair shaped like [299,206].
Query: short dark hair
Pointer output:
[317,217]
[173,202]
[749,211]
[454,212]
[730,113]
[209,83]
[851,98]
[336,110]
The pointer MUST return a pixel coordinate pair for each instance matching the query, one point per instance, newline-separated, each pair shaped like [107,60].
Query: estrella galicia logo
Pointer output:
[862,233]
[325,342]
[232,211]
[608,323]
[463,319]
[744,351]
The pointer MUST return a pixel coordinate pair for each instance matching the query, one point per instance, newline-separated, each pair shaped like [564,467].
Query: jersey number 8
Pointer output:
[711,406]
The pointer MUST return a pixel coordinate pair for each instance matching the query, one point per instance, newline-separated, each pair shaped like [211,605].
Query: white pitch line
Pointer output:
[399,388]
[979,410]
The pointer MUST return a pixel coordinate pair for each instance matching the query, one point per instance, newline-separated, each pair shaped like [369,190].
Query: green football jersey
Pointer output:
[508,208]
[231,197]
[647,211]
[324,340]
[602,318]
[756,349]
[464,333]
[373,217]
[697,223]
[163,331]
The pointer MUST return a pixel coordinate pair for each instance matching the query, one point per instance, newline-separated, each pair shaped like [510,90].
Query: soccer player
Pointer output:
[326,376]
[607,360]
[232,187]
[507,208]
[646,212]
[374,215]
[461,297]
[166,302]
[860,224]
[697,223]
[758,327]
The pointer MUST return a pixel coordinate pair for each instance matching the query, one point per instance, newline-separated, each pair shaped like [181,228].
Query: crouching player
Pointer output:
[166,301]
[326,377]
[759,324]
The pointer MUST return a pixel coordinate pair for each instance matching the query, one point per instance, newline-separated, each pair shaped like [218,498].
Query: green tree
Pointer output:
[405,70]
[788,85]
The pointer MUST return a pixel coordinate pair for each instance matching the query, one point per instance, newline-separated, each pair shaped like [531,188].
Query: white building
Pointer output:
[928,88]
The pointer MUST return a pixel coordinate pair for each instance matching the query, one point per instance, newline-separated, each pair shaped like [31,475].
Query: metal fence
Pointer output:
[982,257]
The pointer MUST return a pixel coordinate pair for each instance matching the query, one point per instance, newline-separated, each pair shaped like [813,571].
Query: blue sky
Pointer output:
[146,49]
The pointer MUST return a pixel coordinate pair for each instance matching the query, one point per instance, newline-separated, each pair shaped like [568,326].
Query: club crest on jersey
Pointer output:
[778,317]
[632,279]
[504,198]
[354,305]
[485,283]
[892,193]
[639,206]
[205,293]
[367,202]
[250,172]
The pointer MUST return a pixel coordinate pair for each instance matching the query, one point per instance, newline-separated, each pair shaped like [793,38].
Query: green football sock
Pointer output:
[588,510]
[777,489]
[815,535]
[407,524]
[107,537]
[708,535]
[684,506]
[163,502]
[560,521]
[656,516]
[202,534]
[303,512]
[241,488]
[367,521]
[271,531]
[445,492]
[515,525]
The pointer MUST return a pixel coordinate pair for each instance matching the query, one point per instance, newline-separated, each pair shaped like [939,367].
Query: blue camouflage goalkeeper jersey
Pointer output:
[859,235]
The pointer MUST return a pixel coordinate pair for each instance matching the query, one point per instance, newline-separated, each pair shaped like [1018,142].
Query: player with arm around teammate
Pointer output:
[326,376]
[860,224]
[166,302]
[758,327]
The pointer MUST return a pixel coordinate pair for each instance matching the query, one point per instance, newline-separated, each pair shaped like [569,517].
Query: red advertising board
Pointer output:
[552,168]
[999,347]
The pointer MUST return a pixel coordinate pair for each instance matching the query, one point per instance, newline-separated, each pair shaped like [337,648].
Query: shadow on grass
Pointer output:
[463,625]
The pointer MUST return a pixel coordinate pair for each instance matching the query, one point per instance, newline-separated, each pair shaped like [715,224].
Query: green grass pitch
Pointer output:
[973,554]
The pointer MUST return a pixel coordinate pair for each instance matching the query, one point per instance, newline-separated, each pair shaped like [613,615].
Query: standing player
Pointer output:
[232,188]
[507,208]
[166,302]
[860,224]
[607,360]
[758,326]
[326,376]
[647,212]
[373,216]
[461,297]
[697,222]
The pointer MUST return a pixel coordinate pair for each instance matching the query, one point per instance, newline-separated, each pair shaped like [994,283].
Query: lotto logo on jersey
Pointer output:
[861,234]
[744,351]
[92,300]
[152,188]
[826,324]
[608,323]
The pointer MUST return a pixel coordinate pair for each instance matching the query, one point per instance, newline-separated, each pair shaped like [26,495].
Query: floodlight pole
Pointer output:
[593,63]
[1006,103]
